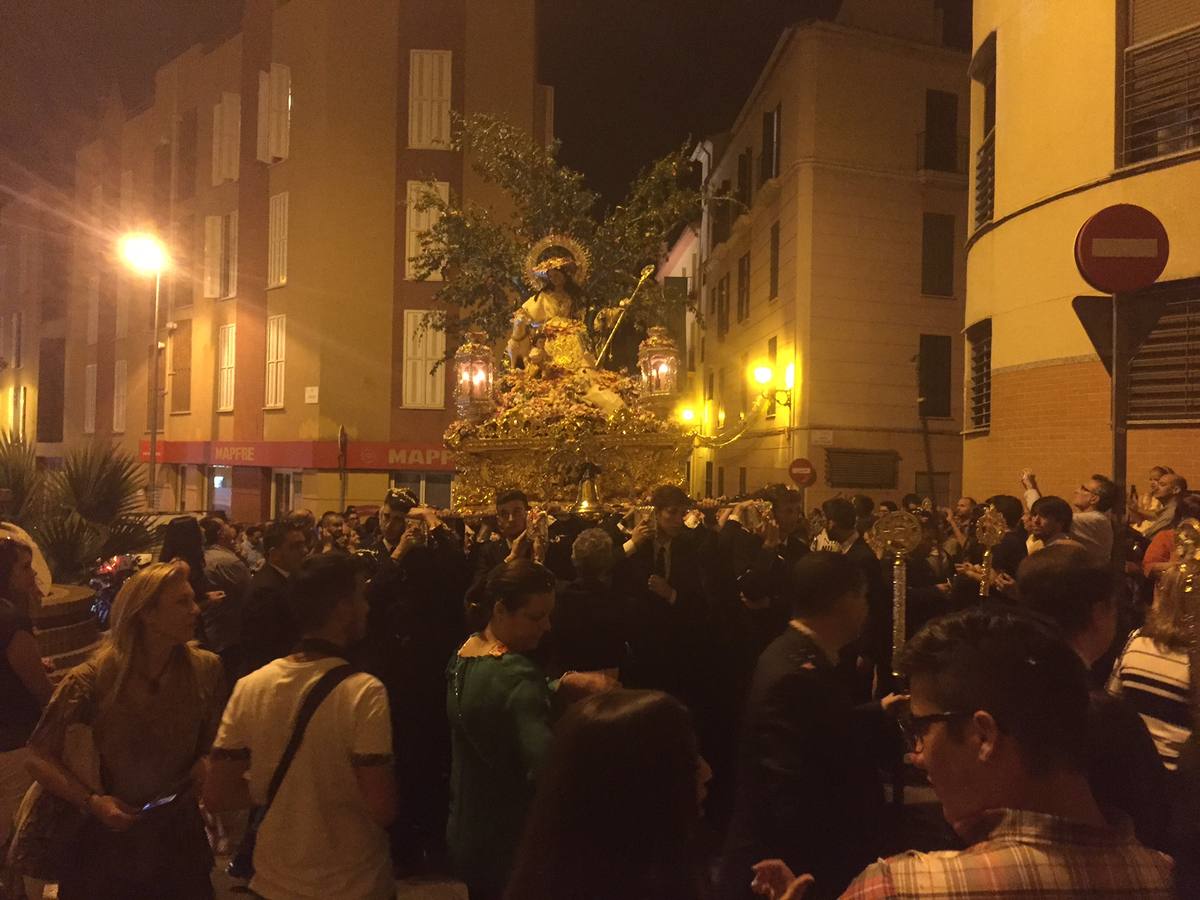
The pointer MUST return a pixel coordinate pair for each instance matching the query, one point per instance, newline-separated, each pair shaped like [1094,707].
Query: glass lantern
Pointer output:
[658,359]
[474,370]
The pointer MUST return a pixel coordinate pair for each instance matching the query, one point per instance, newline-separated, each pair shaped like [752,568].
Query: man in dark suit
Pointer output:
[808,789]
[414,625]
[268,631]
[667,573]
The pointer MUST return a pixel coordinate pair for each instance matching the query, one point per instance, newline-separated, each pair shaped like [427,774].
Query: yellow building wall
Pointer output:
[1056,90]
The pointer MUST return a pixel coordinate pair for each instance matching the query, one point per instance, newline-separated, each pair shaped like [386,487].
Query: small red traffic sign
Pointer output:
[803,472]
[1122,248]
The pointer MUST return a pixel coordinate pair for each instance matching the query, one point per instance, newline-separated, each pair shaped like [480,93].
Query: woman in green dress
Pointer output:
[499,703]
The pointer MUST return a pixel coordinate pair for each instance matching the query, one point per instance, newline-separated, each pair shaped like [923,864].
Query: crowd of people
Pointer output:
[683,700]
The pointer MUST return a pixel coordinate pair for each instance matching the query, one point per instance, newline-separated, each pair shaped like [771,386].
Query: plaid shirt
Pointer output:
[1018,853]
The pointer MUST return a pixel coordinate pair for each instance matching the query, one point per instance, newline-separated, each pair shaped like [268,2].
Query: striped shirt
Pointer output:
[1017,853]
[1156,683]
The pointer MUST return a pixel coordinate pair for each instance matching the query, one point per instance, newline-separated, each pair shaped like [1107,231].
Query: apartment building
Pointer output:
[832,256]
[1075,107]
[281,166]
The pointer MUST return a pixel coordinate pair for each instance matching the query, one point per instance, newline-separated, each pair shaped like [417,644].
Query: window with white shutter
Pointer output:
[226,355]
[220,255]
[120,376]
[18,414]
[274,113]
[93,309]
[89,399]
[226,136]
[420,221]
[277,233]
[429,99]
[15,337]
[424,388]
[276,341]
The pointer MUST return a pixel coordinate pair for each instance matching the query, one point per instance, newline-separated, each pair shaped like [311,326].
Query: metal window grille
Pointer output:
[980,386]
[1164,376]
[1162,97]
[862,468]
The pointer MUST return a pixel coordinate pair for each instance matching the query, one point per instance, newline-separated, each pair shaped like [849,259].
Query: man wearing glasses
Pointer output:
[1091,513]
[998,721]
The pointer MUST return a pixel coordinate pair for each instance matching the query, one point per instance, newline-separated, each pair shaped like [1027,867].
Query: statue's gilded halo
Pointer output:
[556,251]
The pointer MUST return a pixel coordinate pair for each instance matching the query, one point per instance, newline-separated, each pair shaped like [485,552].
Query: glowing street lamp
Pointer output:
[147,255]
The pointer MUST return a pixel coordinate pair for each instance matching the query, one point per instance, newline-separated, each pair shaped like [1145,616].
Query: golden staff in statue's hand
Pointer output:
[623,306]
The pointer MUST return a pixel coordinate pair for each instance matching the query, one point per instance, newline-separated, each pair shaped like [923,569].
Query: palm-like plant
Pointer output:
[88,510]
[19,474]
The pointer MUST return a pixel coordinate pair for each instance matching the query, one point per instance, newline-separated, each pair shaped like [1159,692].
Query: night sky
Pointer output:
[634,78]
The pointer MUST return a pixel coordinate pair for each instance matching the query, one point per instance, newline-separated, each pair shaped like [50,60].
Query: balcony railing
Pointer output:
[985,180]
[1162,97]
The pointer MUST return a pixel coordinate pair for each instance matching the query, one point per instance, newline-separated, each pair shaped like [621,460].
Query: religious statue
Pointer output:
[550,320]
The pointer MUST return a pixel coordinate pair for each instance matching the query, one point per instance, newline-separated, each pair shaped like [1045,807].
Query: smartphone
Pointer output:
[159,802]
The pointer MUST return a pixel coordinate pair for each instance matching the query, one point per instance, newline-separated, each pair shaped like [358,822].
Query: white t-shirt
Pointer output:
[318,840]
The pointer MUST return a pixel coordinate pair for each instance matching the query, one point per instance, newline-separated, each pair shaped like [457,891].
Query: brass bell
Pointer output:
[588,501]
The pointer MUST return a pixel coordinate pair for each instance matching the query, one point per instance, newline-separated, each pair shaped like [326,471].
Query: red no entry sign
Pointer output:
[803,472]
[1122,248]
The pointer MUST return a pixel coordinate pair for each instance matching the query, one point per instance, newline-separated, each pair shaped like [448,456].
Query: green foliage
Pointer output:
[19,474]
[85,511]
[481,255]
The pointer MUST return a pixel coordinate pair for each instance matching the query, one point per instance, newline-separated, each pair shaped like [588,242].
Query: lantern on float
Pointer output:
[658,359]
[474,371]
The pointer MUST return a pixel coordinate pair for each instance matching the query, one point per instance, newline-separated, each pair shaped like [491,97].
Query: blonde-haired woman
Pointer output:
[149,703]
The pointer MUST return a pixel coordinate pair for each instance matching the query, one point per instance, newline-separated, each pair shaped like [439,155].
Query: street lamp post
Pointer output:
[146,254]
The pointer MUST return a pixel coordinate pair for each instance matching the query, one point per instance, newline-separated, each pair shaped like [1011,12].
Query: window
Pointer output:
[55,277]
[979,385]
[723,306]
[772,359]
[741,481]
[419,221]
[1164,376]
[274,113]
[226,357]
[276,341]
[983,70]
[708,479]
[937,255]
[277,237]
[93,309]
[939,140]
[181,367]
[1161,106]
[429,99]
[933,375]
[185,156]
[862,468]
[768,166]
[220,255]
[424,348]
[183,291]
[120,389]
[226,138]
[89,399]
[52,369]
[18,414]
[720,481]
[774,277]
[15,336]
[722,217]
[743,287]
[712,301]
[430,488]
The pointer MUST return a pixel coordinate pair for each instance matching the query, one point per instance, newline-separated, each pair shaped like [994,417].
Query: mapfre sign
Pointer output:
[1122,248]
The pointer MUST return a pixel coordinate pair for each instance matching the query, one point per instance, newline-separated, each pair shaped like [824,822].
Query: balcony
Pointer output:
[985,180]
[1162,98]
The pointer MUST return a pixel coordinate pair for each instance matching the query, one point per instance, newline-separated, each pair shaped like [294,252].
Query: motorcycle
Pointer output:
[107,579]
